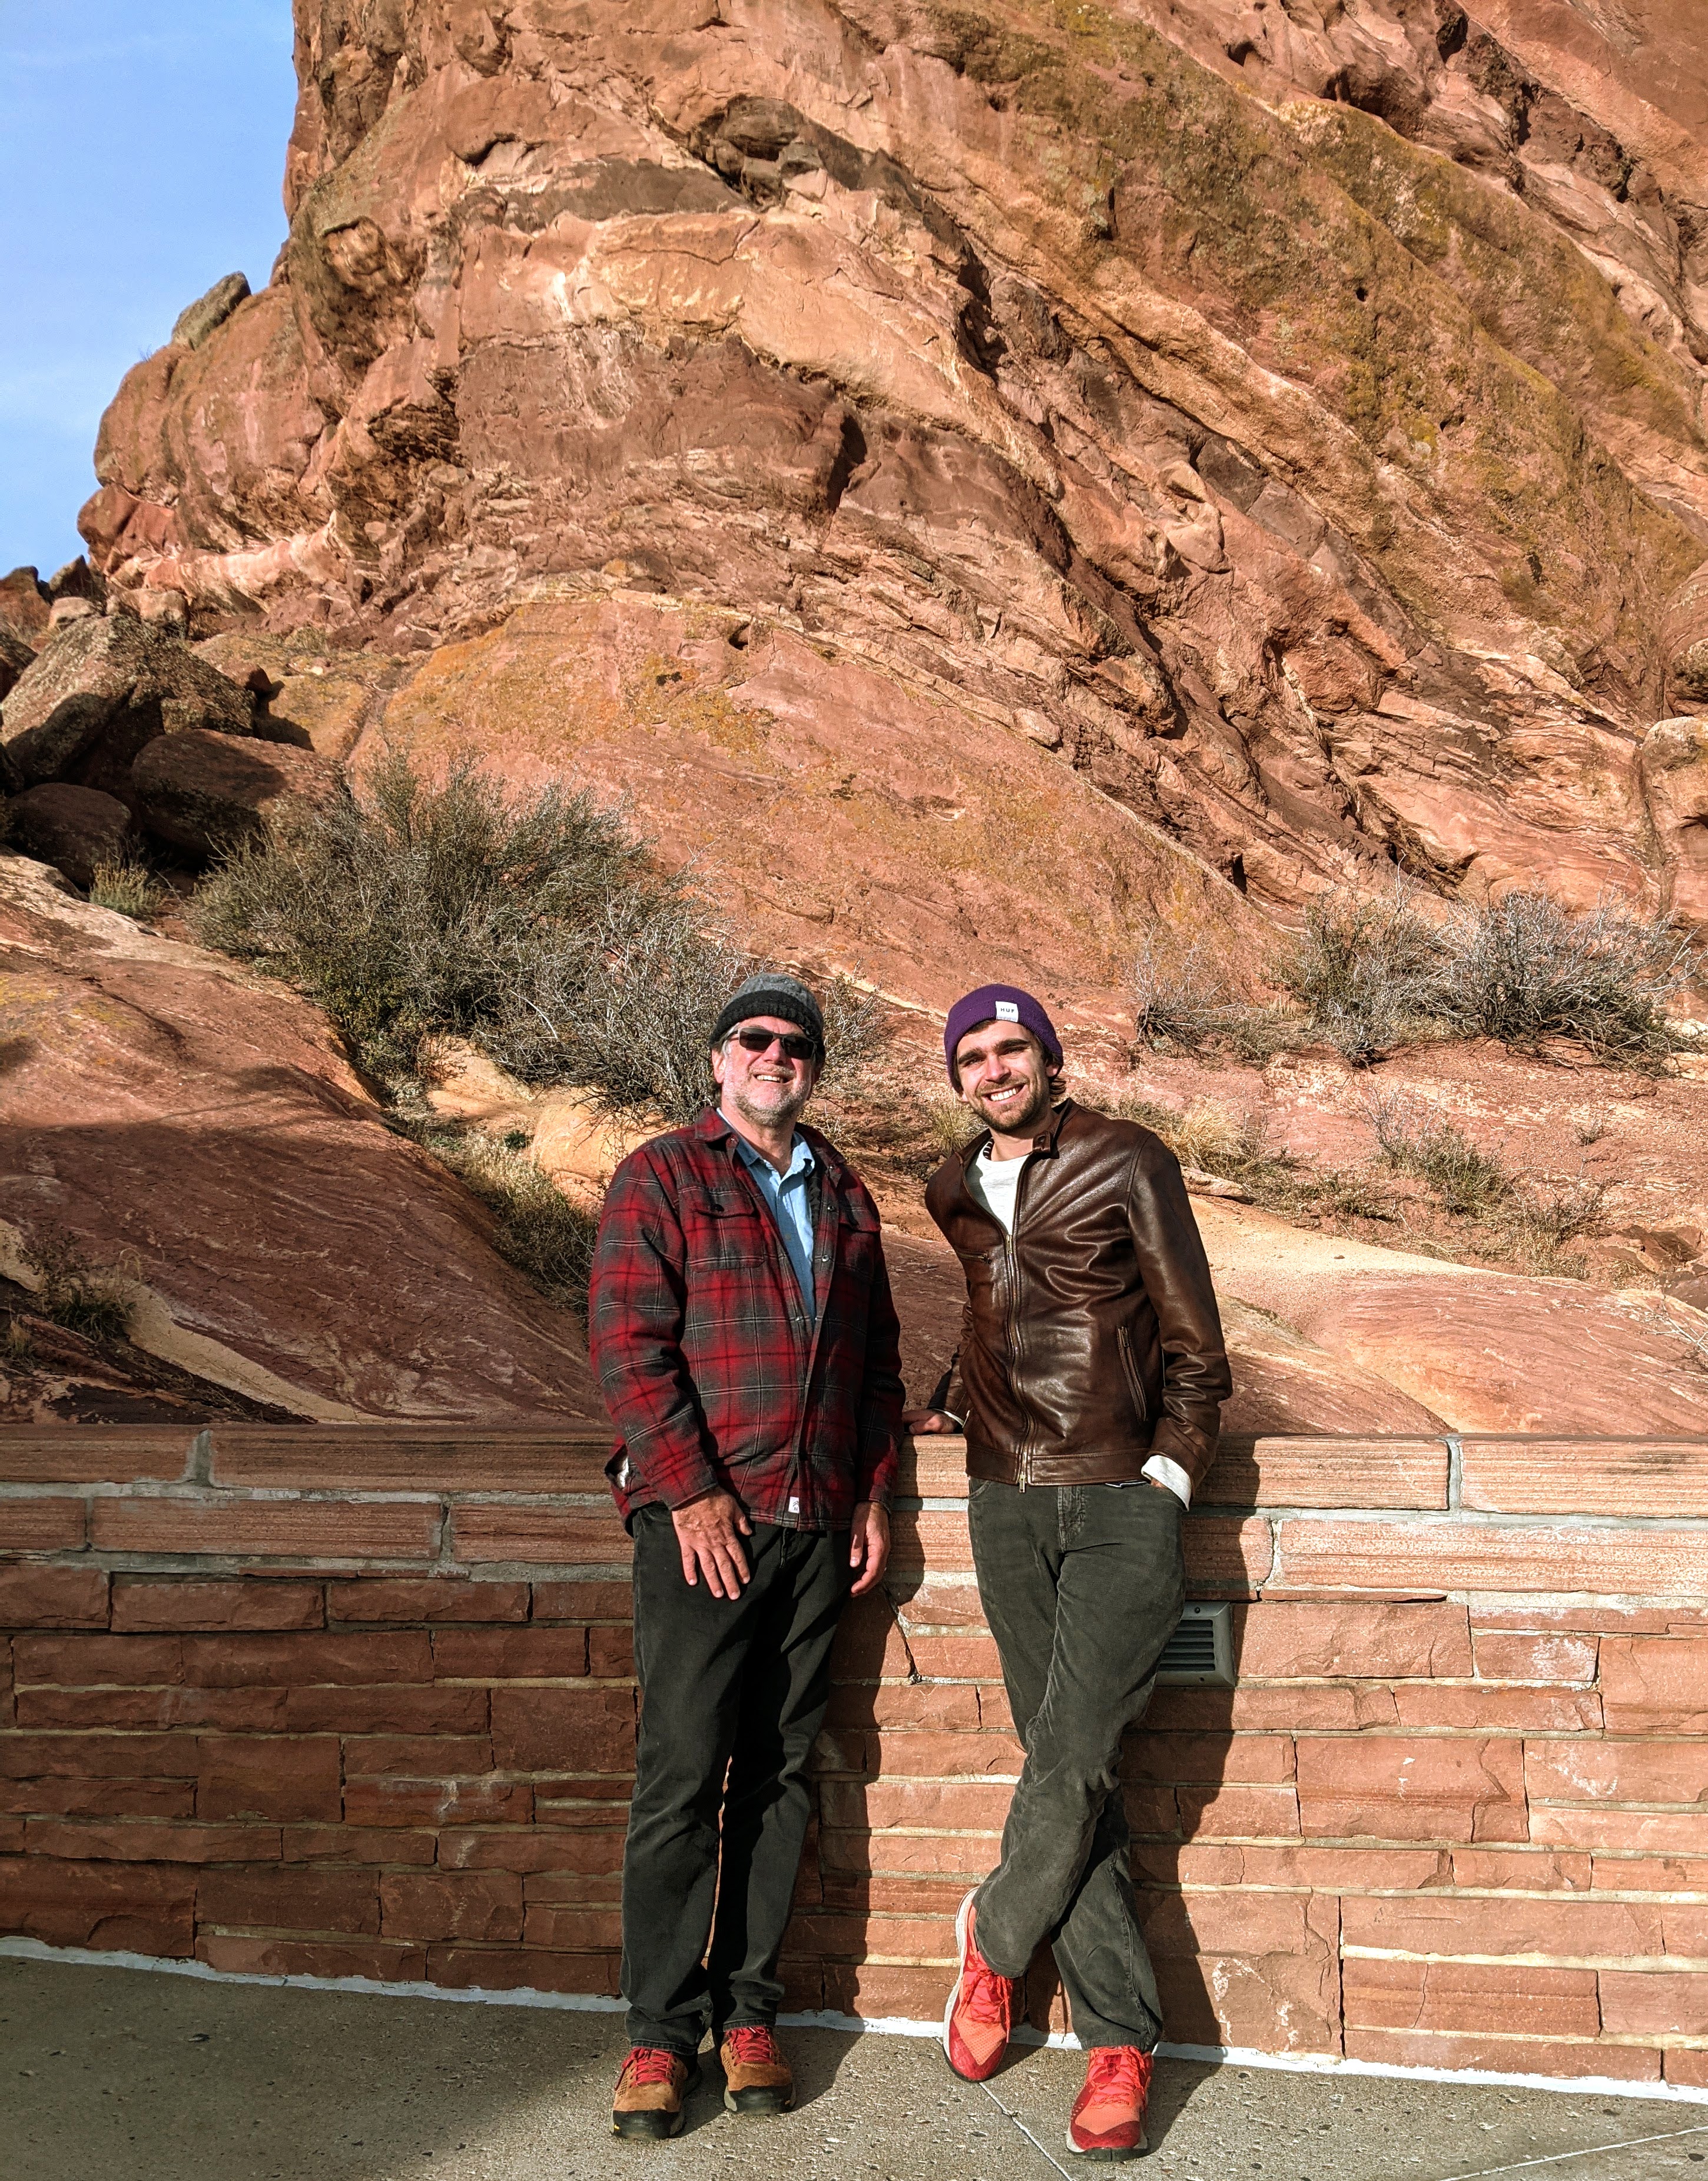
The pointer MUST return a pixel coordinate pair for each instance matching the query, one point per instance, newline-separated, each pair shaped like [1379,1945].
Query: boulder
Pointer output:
[16,658]
[201,790]
[101,688]
[24,605]
[77,580]
[72,828]
[1685,641]
[197,320]
[1674,764]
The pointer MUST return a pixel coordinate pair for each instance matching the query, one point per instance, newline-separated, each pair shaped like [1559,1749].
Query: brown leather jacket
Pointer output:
[1091,1340]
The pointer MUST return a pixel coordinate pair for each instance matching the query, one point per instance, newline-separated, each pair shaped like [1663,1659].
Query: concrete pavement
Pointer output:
[121,2075]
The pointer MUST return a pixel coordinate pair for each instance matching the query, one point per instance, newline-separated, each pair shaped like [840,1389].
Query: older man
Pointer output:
[747,1348]
[1091,1374]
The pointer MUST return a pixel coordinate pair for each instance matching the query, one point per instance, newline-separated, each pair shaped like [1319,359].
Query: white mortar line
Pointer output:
[1213,2056]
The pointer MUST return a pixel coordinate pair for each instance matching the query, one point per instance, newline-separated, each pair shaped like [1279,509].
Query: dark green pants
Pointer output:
[733,1694]
[1083,1586]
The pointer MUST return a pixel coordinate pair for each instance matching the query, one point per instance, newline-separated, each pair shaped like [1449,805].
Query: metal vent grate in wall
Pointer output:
[1200,1651]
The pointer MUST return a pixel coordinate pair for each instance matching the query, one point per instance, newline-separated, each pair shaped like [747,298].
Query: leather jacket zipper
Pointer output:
[1014,1317]
[1134,1385]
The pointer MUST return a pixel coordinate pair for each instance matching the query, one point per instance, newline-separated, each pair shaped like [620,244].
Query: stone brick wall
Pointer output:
[1455,1813]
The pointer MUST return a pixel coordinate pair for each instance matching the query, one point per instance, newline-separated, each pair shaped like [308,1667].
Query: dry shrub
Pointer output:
[1363,971]
[539,929]
[127,886]
[1523,970]
[1414,1139]
[539,1230]
[93,1299]
[1369,974]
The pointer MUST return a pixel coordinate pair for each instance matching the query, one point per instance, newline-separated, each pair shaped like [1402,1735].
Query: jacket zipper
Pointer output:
[1133,1385]
[1012,1241]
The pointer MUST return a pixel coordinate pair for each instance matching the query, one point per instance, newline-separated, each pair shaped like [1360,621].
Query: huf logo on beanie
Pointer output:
[1007,1011]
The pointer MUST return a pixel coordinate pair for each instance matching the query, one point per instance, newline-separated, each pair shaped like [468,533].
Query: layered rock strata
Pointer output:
[1289,420]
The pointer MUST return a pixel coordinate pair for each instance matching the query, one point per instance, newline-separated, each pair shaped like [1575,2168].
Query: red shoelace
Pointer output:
[650,2063]
[984,1995]
[1112,2070]
[752,2045]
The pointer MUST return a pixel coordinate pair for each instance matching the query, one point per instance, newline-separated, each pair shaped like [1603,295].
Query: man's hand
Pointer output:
[868,1546]
[709,1531]
[919,1421]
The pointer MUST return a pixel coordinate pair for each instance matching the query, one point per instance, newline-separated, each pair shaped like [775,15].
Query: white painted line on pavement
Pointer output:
[1594,2151]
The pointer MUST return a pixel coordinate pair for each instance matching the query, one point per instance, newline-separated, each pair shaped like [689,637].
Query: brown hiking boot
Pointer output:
[757,2078]
[647,2103]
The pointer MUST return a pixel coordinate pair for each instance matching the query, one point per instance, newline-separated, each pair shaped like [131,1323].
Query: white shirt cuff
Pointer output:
[1161,1470]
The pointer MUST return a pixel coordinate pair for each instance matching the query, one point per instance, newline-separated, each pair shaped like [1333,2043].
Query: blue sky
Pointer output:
[141,154]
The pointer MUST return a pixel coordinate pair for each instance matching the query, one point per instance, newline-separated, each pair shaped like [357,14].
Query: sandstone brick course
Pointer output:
[485,1906]
[1447,1555]
[170,1707]
[1411,1787]
[245,1955]
[510,1654]
[612,1602]
[141,1602]
[267,1776]
[537,1730]
[426,1598]
[1543,1656]
[1327,1473]
[379,1801]
[61,1454]
[145,1908]
[1655,1684]
[1527,2056]
[52,1597]
[307,1529]
[356,1843]
[1653,2003]
[142,1841]
[289,1897]
[1583,1477]
[548,1536]
[514,1968]
[302,1661]
[1616,1772]
[409,1457]
[1470,1997]
[394,1708]
[42,1525]
[1370,1640]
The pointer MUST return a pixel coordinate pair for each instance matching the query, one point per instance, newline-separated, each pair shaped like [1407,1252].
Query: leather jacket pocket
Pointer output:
[1135,1384]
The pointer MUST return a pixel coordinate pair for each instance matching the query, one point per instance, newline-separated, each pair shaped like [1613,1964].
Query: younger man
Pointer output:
[1090,1375]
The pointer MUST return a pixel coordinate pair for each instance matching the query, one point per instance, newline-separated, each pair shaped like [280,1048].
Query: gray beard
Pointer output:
[782,1115]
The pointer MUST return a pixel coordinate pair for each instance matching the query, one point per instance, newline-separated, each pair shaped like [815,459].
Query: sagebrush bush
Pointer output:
[539,929]
[1370,975]
[1364,971]
[1414,1139]
[1523,968]
[94,1301]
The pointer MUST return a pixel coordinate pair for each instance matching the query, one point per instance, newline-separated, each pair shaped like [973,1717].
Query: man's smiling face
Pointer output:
[1004,1078]
[767,1088]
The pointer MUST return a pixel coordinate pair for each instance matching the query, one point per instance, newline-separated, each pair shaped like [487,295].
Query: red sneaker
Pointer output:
[1108,2120]
[979,2017]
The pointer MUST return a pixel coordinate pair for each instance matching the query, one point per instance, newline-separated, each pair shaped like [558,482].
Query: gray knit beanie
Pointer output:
[772,992]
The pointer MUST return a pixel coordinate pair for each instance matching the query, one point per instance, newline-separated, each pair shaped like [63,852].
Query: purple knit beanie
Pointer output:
[998,1003]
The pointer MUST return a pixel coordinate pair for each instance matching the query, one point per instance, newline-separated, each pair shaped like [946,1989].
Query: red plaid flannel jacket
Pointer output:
[709,1369]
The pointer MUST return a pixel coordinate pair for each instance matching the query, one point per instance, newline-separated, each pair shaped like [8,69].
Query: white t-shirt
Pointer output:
[996,1182]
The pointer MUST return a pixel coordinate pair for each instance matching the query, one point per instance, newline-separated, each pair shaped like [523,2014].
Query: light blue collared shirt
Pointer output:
[790,1197]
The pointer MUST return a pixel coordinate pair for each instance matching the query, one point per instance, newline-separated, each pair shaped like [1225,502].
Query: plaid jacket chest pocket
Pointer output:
[723,1231]
[856,1241]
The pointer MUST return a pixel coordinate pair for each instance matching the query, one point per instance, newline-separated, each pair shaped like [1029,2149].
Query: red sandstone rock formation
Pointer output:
[1287,420]
[202,1135]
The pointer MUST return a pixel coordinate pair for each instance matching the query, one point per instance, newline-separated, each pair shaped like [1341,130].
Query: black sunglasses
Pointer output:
[761,1040]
